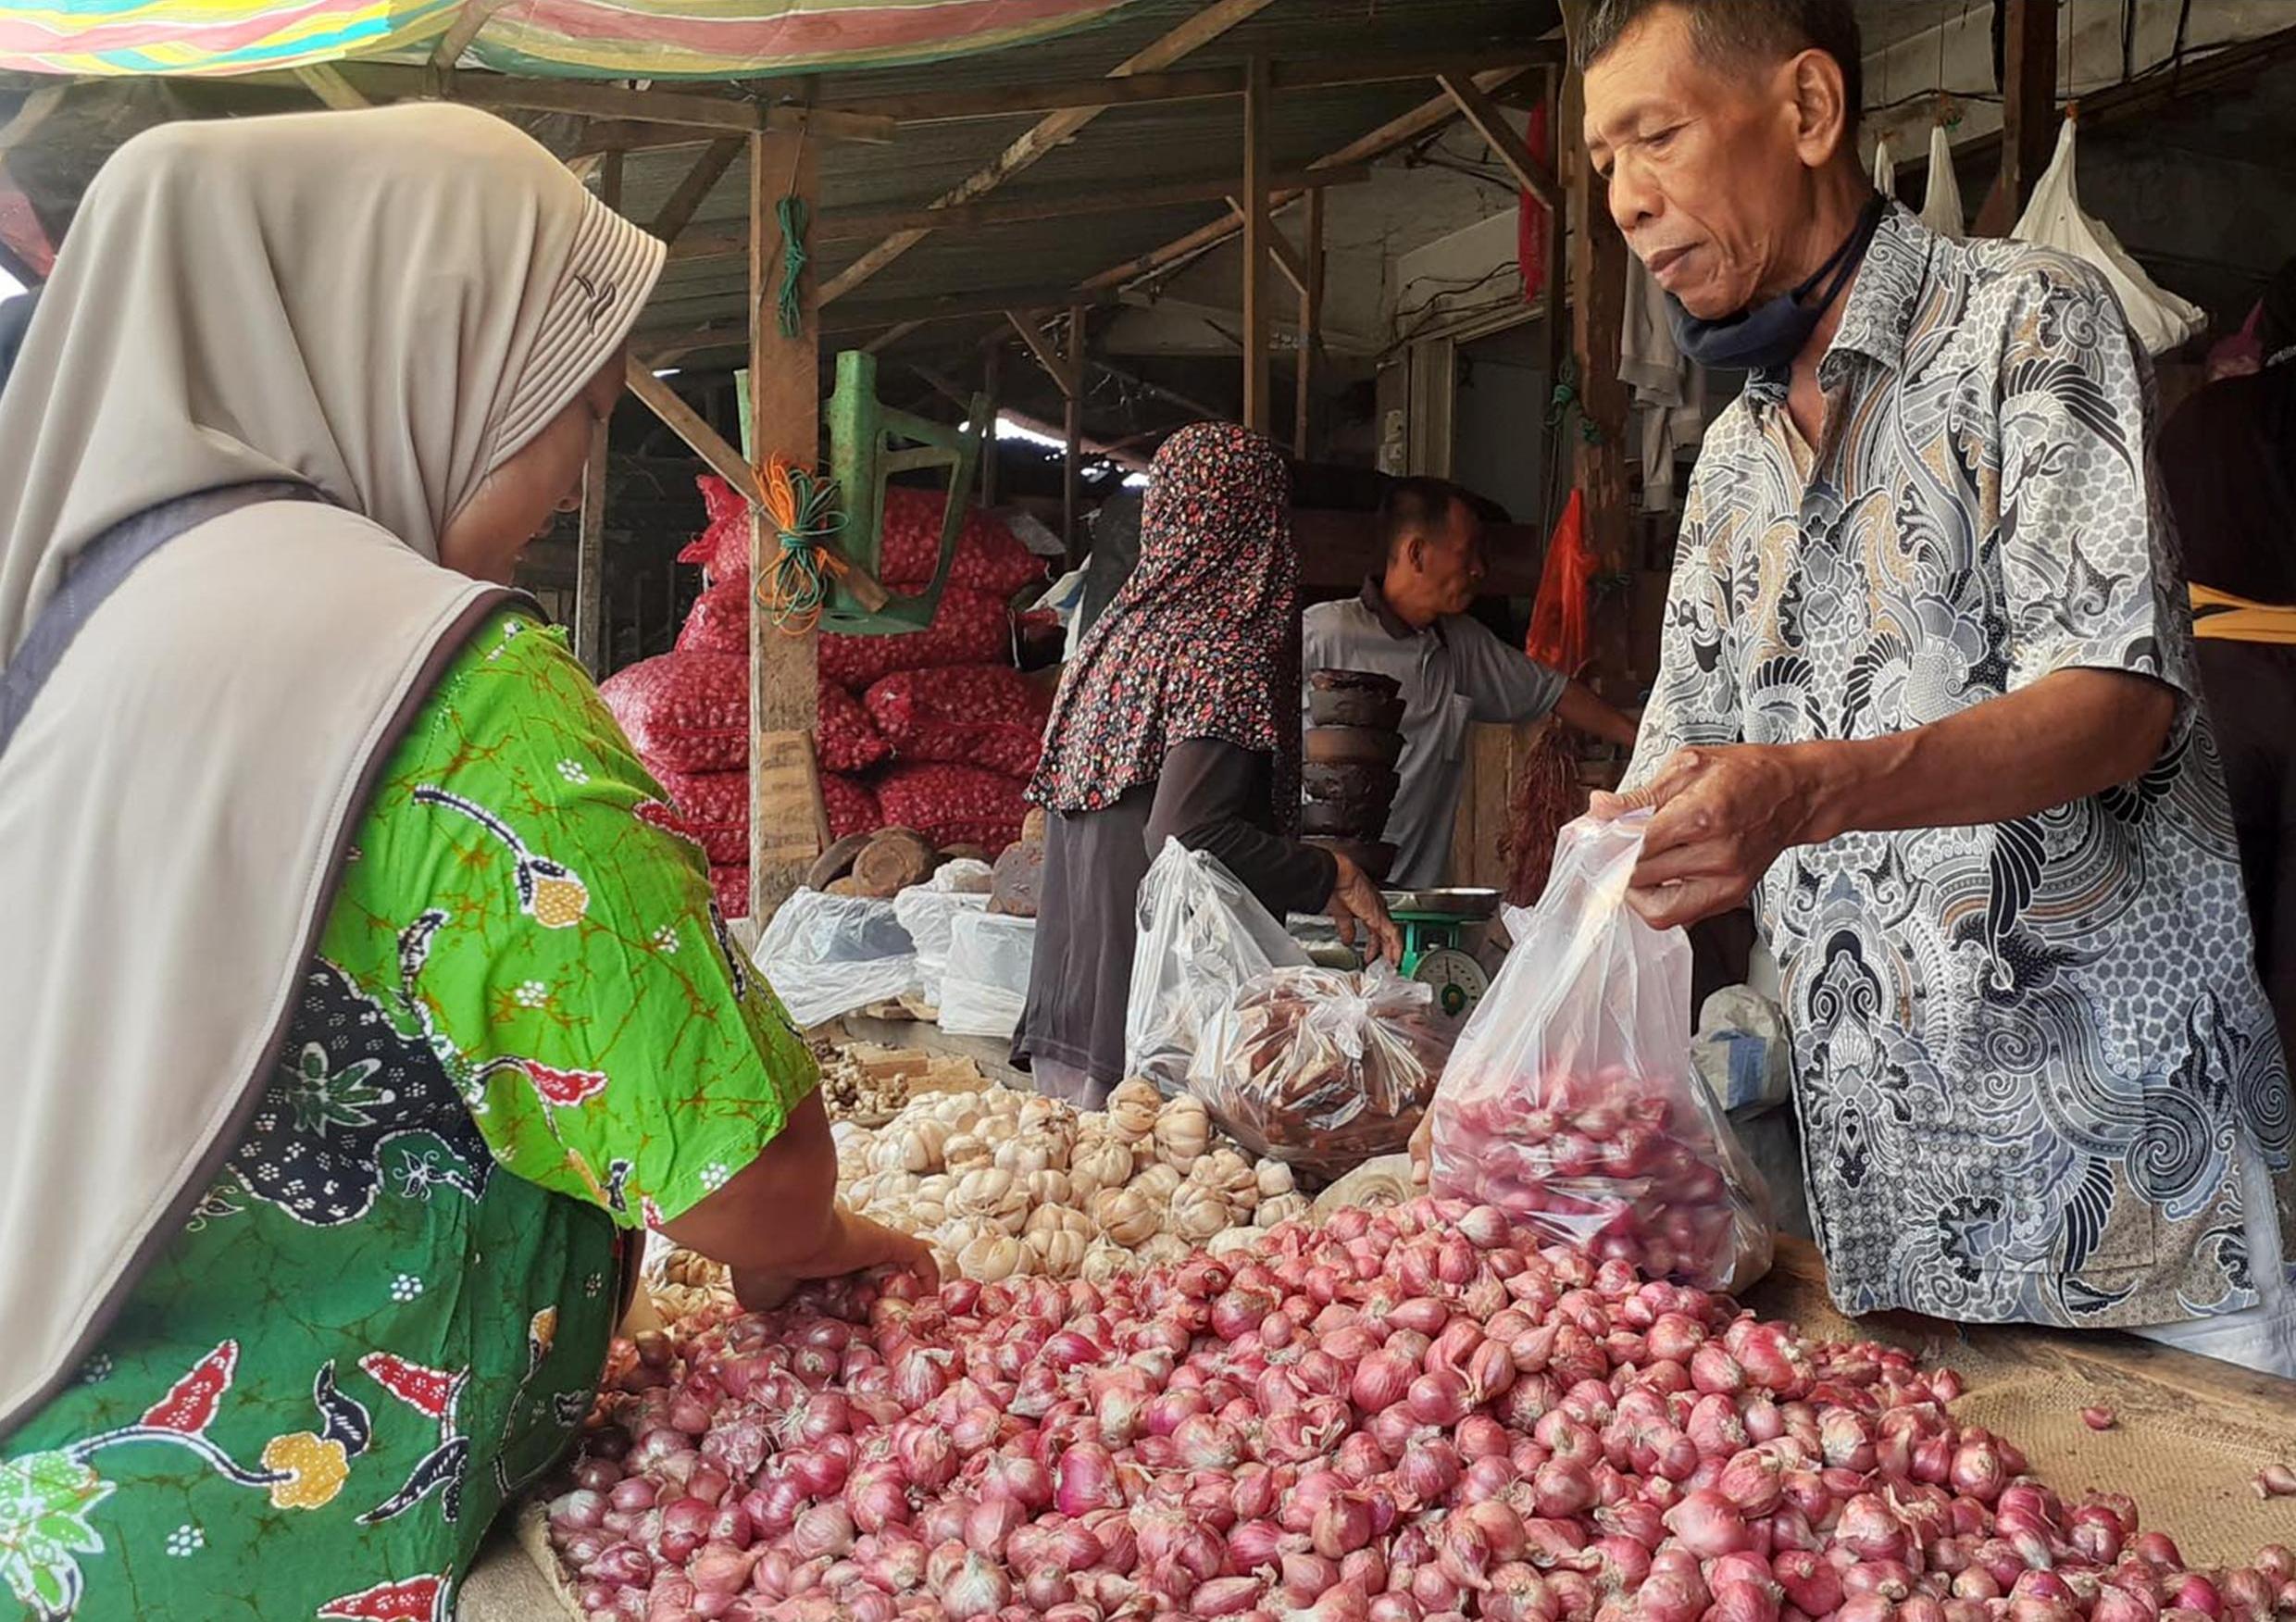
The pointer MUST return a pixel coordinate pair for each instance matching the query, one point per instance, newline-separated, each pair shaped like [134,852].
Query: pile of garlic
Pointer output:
[1007,1183]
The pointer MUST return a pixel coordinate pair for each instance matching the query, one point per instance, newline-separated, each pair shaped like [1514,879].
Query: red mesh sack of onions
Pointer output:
[684,712]
[718,621]
[712,810]
[851,804]
[732,885]
[990,558]
[1570,1102]
[978,715]
[844,738]
[970,628]
[722,548]
[955,805]
[1321,1069]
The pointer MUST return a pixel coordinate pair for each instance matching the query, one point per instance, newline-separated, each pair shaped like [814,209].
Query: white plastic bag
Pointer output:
[1570,1102]
[1885,168]
[826,955]
[1201,936]
[2054,220]
[987,982]
[1941,209]
[930,911]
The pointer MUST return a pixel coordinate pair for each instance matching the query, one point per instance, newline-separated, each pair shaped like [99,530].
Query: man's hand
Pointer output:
[1423,1148]
[1720,818]
[1355,899]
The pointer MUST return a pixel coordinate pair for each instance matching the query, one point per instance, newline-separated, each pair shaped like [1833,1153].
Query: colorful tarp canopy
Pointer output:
[654,39]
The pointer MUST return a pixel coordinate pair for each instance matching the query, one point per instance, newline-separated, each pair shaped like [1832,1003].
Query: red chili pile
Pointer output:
[1408,1416]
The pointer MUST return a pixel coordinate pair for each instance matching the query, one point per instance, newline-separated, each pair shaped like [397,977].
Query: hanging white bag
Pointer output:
[2054,220]
[1885,168]
[1941,209]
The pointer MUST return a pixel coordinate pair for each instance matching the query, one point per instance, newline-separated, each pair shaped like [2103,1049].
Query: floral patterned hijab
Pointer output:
[1202,641]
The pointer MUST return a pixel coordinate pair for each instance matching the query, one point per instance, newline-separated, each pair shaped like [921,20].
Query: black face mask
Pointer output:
[1770,335]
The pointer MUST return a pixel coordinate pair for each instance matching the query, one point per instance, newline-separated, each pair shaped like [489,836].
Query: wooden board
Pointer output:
[1494,755]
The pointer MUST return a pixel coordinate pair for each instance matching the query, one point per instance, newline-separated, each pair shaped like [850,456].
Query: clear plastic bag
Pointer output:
[1570,1102]
[1201,936]
[827,955]
[1321,1068]
[930,911]
[987,982]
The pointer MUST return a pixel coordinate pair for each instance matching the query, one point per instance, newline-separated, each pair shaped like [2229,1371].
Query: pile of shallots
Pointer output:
[1407,1416]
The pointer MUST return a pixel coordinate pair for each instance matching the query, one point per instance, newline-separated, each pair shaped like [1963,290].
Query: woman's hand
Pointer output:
[1354,899]
[1423,1148]
[858,1245]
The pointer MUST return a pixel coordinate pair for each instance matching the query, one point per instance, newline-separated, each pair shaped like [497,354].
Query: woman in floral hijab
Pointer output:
[1178,719]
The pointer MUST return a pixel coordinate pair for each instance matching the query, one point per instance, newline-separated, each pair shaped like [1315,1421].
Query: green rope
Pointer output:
[790,212]
[796,588]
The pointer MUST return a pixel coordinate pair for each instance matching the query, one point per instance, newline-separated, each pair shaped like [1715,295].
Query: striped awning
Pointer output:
[618,39]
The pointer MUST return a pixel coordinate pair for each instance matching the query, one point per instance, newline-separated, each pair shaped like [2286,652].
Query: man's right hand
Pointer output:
[1355,899]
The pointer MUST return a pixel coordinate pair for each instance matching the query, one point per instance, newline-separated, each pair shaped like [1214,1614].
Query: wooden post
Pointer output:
[992,367]
[1598,279]
[1563,141]
[1311,335]
[2028,111]
[1257,227]
[785,411]
[590,549]
[1072,424]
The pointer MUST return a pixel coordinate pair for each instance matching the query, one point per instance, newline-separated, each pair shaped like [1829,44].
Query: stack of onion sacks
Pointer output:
[1403,1417]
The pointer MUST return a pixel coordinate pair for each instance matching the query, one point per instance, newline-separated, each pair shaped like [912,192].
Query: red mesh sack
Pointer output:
[845,738]
[722,548]
[684,712]
[977,714]
[955,805]
[990,558]
[718,622]
[732,885]
[713,811]
[970,627]
[851,804]
[1559,638]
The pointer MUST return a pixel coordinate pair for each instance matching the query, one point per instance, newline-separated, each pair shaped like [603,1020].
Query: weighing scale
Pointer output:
[1433,923]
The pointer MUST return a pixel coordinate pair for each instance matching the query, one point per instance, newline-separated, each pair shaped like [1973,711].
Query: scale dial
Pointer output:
[1458,980]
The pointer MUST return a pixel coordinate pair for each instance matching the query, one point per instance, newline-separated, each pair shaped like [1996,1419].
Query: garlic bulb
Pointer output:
[1106,1161]
[1182,1133]
[985,1193]
[1126,1216]
[1158,1183]
[1274,1178]
[1232,1239]
[1104,1261]
[1197,1213]
[1039,1114]
[991,1256]
[1047,1190]
[1058,1253]
[1282,1208]
[924,1214]
[1028,1153]
[914,1146]
[1132,1108]
[966,1152]
[996,1129]
[1058,1219]
[935,1187]
[1164,1249]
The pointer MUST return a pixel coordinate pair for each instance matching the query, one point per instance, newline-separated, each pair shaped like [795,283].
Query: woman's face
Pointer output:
[515,504]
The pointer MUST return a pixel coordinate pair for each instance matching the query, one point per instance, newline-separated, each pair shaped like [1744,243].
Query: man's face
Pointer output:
[1708,171]
[1450,560]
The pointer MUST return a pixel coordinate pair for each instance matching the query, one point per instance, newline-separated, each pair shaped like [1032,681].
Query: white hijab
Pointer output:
[387,307]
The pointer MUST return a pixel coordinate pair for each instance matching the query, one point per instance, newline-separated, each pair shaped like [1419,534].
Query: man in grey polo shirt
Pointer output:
[1411,623]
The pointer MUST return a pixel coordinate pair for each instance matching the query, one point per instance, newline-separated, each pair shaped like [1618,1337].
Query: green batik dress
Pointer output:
[525,1028]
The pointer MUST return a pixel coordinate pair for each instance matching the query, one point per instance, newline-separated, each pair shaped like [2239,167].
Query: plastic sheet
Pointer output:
[986,985]
[930,911]
[1321,1068]
[1201,936]
[1570,1102]
[827,955]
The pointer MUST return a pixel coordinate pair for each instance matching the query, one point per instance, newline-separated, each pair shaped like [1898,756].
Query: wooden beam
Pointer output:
[1113,451]
[1048,356]
[992,377]
[1304,358]
[1257,229]
[890,336]
[691,110]
[1597,291]
[868,315]
[1072,433]
[1192,84]
[699,437]
[1491,125]
[694,190]
[335,91]
[854,224]
[1365,148]
[2029,112]
[1286,258]
[468,23]
[787,818]
[1049,133]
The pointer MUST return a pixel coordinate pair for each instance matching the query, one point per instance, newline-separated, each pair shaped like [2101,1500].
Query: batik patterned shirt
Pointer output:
[2030,1057]
[524,1028]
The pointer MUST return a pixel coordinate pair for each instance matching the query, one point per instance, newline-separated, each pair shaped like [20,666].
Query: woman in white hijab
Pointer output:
[359,990]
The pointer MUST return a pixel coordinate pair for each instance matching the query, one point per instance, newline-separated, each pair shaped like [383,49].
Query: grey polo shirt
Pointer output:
[1455,672]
